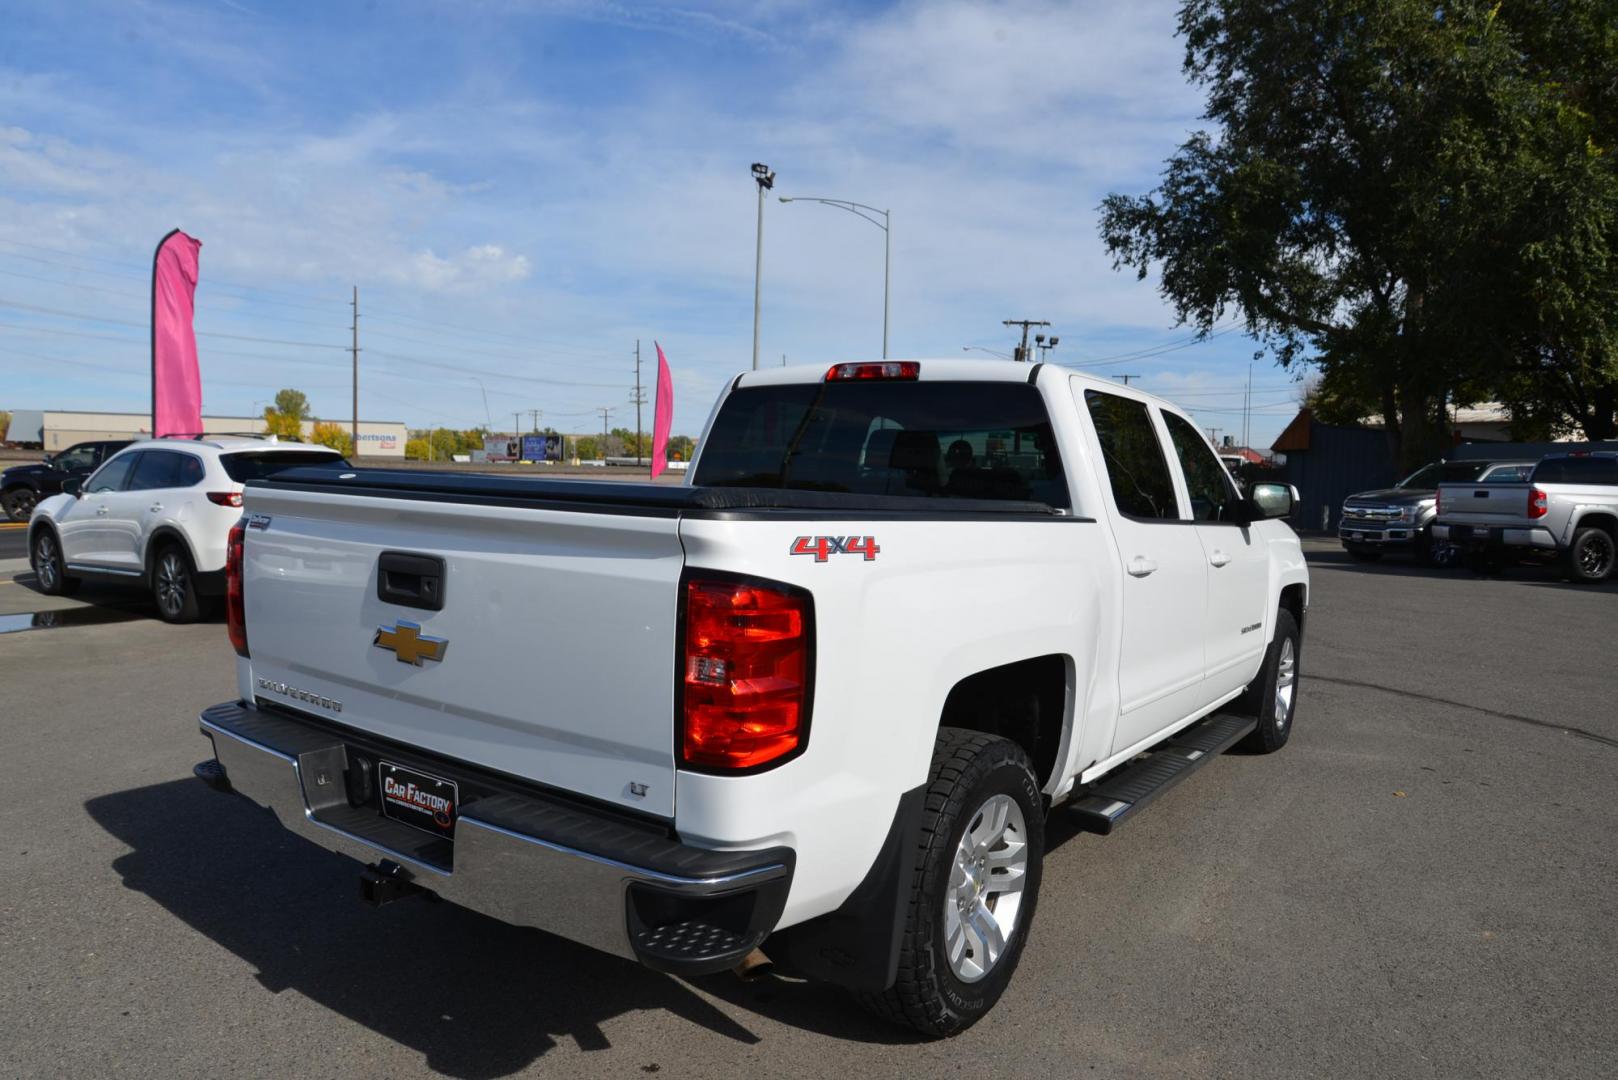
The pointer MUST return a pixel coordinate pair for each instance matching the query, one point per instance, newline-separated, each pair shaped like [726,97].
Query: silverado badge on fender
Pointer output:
[409,644]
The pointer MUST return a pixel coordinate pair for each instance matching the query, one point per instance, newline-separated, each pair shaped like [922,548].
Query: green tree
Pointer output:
[586,448]
[335,436]
[1418,199]
[681,447]
[418,449]
[285,418]
[5,422]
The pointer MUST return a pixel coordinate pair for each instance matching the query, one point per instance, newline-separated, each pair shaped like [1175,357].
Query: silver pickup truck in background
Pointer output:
[1567,510]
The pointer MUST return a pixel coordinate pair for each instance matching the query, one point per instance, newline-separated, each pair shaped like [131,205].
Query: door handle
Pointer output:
[1218,558]
[1140,566]
[101,511]
[156,507]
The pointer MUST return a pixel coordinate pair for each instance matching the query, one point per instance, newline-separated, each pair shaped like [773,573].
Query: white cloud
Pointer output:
[476,267]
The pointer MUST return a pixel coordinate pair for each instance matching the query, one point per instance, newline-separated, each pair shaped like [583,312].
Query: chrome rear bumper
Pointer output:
[624,888]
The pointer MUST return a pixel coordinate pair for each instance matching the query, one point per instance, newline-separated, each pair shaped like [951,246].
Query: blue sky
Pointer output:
[522,189]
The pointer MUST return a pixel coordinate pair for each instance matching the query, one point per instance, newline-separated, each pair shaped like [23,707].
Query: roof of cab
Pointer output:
[945,370]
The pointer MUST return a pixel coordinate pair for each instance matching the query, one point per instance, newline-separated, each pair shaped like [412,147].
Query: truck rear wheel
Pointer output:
[1273,696]
[973,892]
[1590,556]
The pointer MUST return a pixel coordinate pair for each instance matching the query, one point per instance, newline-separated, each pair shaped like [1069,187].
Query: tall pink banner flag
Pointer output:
[176,379]
[662,414]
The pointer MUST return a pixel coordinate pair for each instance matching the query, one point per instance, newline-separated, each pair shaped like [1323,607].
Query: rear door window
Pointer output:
[960,440]
[1577,470]
[248,465]
[165,469]
[1136,468]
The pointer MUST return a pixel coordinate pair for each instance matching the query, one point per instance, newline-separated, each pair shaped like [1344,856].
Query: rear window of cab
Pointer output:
[961,440]
[245,465]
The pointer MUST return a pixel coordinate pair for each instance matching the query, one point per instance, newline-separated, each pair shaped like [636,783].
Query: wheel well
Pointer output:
[1294,599]
[1605,522]
[161,539]
[1024,702]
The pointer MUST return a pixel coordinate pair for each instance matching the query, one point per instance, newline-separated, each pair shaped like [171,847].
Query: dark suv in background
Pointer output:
[22,486]
[1400,518]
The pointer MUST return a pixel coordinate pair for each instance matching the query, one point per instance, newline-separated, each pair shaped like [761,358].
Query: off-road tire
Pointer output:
[1590,557]
[968,769]
[1261,698]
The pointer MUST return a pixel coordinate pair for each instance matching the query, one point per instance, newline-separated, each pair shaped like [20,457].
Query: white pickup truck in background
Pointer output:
[819,700]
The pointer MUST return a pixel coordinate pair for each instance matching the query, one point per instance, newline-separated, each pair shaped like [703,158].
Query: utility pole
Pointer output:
[605,412]
[534,415]
[1247,408]
[516,424]
[765,180]
[1022,350]
[1213,435]
[354,350]
[1125,378]
[639,398]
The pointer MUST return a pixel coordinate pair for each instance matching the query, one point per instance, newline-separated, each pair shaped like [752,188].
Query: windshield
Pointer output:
[257,464]
[1428,477]
[963,440]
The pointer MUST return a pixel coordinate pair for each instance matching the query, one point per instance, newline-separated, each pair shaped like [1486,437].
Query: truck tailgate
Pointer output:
[558,624]
[1483,504]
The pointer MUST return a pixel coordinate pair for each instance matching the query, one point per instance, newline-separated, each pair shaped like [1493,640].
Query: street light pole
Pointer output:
[765,180]
[860,210]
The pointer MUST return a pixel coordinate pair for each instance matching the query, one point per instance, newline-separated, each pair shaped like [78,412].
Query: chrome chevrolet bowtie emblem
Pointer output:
[409,644]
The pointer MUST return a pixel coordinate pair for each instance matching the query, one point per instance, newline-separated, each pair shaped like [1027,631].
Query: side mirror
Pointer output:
[74,486]
[1270,500]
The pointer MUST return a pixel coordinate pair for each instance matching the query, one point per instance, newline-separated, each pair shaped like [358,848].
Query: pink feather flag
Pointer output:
[176,380]
[662,414]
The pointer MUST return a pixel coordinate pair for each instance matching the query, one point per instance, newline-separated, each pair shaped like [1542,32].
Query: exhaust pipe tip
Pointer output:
[754,966]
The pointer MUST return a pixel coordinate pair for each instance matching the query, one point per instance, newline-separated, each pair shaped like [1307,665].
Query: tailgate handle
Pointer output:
[410,580]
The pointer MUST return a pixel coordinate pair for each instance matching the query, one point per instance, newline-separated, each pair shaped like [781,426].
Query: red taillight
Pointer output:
[225,498]
[745,674]
[235,608]
[1538,504]
[1438,503]
[886,369]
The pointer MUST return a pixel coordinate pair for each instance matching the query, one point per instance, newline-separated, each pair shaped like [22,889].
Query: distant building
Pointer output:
[54,430]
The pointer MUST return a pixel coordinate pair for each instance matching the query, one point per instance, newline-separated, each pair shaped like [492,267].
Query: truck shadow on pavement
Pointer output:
[1534,574]
[475,996]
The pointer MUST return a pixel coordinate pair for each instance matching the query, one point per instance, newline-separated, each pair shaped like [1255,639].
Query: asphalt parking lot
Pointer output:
[1423,883]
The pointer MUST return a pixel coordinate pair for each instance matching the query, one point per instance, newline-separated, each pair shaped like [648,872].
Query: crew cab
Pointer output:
[1400,518]
[1567,510]
[817,701]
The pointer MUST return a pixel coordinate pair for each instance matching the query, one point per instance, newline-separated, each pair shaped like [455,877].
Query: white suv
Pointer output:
[157,514]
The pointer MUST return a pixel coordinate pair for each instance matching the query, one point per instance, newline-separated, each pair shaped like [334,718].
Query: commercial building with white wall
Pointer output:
[58,429]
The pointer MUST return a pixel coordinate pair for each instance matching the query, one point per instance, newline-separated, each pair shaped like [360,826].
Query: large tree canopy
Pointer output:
[1420,199]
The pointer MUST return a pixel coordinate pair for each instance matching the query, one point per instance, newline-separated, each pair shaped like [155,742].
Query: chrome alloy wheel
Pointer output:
[985,888]
[45,567]
[1595,557]
[170,583]
[1286,682]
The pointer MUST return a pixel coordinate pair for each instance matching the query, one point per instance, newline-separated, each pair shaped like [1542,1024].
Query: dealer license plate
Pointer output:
[428,802]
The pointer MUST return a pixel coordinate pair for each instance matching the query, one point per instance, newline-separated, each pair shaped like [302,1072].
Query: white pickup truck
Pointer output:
[819,700]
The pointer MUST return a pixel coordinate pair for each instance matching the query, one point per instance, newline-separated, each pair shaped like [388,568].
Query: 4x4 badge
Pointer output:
[408,644]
